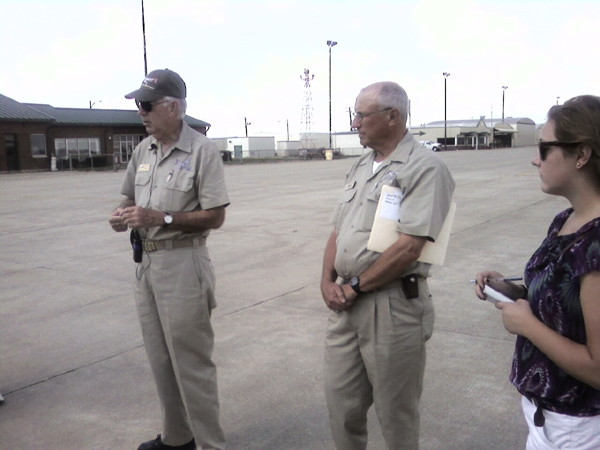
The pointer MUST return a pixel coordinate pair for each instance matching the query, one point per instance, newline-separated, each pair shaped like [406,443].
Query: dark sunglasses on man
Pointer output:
[147,106]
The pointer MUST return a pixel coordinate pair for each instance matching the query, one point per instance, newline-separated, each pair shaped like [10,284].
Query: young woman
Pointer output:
[556,365]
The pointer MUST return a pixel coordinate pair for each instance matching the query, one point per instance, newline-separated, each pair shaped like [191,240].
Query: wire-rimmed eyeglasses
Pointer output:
[361,116]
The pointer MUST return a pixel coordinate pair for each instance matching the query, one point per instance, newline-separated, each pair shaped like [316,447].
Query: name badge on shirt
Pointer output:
[144,168]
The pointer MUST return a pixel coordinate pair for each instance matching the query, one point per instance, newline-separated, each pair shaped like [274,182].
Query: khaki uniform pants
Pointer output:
[174,296]
[375,353]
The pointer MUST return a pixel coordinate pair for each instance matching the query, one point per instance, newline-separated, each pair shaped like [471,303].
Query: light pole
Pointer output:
[446,75]
[504,88]
[246,123]
[92,104]
[330,44]
[557,100]
[287,125]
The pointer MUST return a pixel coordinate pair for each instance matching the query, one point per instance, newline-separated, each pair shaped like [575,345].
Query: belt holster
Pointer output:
[136,244]
[410,286]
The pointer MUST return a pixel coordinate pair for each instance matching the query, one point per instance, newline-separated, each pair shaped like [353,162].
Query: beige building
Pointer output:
[479,133]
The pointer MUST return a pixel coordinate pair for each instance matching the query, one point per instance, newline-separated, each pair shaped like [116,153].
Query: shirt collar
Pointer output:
[184,143]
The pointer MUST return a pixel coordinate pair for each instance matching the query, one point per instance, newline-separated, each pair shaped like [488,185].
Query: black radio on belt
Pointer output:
[136,244]
[410,286]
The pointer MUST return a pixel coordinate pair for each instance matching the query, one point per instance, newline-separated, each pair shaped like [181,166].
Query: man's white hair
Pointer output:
[388,94]
[181,102]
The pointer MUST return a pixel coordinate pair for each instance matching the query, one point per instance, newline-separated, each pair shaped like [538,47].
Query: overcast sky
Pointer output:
[246,58]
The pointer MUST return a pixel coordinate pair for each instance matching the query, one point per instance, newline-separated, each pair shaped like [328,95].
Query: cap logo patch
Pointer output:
[150,82]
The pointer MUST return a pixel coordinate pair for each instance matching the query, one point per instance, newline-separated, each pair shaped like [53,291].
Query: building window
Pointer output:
[77,148]
[124,144]
[38,145]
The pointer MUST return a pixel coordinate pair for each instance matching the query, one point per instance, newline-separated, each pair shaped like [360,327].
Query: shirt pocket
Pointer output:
[142,178]
[370,208]
[142,190]
[349,193]
[180,192]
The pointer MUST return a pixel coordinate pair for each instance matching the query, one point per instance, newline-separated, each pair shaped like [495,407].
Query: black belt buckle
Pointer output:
[410,286]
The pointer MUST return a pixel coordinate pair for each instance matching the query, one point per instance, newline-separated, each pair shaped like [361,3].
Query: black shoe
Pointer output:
[157,444]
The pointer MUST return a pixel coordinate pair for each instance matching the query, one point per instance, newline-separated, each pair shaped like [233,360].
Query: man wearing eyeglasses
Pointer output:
[174,195]
[381,310]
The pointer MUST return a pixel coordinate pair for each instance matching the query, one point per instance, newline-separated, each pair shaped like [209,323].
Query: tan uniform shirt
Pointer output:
[188,177]
[427,187]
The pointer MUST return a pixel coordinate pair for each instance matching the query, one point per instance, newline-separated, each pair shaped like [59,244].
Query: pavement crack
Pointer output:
[263,302]
[462,333]
[22,388]
[492,219]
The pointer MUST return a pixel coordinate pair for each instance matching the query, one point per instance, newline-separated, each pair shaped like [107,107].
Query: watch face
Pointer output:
[168,219]
[354,282]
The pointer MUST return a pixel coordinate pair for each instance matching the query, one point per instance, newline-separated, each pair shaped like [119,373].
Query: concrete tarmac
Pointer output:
[73,369]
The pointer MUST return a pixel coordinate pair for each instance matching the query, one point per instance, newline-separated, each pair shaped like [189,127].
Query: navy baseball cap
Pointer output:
[158,84]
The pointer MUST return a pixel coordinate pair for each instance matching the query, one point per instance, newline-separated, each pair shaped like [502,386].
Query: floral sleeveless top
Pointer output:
[553,283]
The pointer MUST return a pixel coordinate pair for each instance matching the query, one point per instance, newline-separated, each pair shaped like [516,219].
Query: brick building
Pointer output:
[30,134]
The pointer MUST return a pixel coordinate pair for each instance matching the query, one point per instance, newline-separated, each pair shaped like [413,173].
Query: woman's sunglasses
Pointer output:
[147,106]
[545,146]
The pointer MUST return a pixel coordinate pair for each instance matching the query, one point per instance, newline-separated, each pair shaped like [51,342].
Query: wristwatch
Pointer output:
[168,219]
[355,285]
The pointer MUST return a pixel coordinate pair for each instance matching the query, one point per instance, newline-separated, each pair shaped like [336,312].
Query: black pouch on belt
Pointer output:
[136,244]
[410,286]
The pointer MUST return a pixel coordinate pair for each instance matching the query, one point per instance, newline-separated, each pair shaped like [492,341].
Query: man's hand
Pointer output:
[116,220]
[138,217]
[337,298]
[333,296]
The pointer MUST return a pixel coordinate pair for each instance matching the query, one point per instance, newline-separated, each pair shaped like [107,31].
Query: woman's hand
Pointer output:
[516,317]
[488,277]
[494,280]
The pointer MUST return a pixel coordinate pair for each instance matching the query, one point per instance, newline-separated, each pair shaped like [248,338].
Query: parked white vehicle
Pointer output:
[431,145]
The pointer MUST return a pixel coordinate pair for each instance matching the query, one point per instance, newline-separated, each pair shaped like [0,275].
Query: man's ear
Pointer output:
[174,108]
[395,116]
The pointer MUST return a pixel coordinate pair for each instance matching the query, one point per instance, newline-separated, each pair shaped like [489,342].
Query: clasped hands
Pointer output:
[337,298]
[135,217]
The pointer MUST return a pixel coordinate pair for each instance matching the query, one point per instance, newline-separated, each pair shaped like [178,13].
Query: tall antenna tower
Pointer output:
[307,110]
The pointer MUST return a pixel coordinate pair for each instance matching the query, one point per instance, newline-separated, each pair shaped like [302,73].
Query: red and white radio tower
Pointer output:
[307,110]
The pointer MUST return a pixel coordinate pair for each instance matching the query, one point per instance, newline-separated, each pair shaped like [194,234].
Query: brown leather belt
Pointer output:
[170,244]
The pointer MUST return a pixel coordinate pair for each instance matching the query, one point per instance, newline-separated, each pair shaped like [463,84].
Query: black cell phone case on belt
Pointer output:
[410,286]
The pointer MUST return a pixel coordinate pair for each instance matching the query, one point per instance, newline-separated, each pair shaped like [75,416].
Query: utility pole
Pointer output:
[144,33]
[246,123]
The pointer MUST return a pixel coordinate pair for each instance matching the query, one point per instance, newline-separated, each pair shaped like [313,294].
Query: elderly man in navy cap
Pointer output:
[174,195]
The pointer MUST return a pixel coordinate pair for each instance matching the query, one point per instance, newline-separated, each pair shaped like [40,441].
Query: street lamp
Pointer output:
[287,125]
[246,123]
[446,75]
[504,88]
[330,44]
[557,100]
[92,104]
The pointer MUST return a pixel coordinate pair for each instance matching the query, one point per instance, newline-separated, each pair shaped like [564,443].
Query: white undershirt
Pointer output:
[376,165]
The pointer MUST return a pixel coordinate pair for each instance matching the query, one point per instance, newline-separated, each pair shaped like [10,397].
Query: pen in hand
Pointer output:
[501,279]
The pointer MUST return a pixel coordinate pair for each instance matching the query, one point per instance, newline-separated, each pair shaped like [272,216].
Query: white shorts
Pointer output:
[561,432]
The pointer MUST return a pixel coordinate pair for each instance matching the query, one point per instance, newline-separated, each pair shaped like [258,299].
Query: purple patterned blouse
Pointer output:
[554,299]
